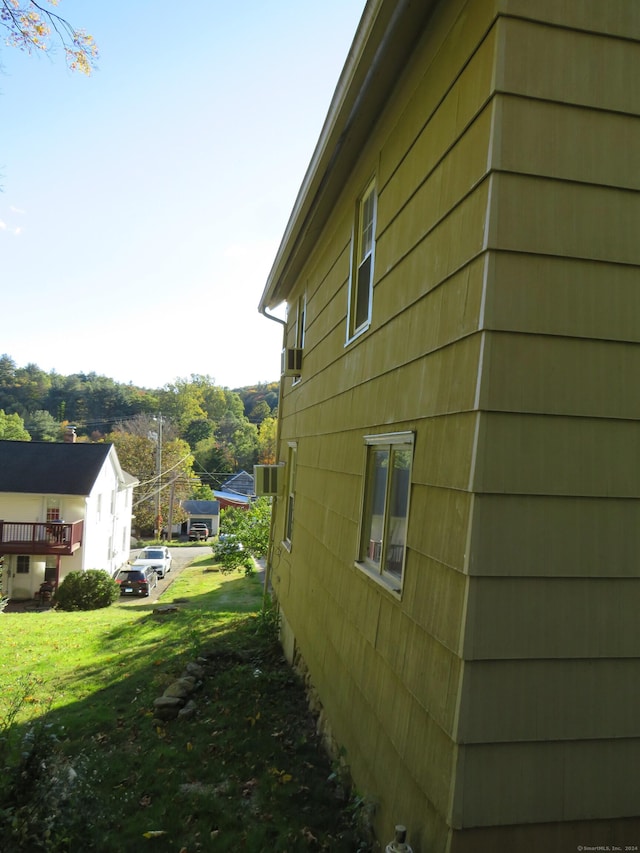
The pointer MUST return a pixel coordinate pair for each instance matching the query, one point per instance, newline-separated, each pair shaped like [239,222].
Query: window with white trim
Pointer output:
[291,492]
[361,283]
[50,570]
[301,311]
[53,509]
[385,512]
[23,563]
[300,326]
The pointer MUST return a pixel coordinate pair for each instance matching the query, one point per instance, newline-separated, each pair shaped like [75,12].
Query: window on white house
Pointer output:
[53,509]
[387,486]
[22,564]
[361,284]
[50,570]
[291,491]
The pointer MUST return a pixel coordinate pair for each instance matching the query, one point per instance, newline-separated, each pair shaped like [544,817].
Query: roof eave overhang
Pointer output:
[386,35]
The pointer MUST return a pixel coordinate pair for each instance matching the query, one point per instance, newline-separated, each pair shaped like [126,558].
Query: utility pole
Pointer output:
[158,524]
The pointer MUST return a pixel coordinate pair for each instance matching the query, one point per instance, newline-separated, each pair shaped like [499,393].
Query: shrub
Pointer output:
[88,590]
[249,525]
[230,554]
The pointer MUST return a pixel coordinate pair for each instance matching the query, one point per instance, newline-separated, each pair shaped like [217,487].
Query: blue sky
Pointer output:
[142,207]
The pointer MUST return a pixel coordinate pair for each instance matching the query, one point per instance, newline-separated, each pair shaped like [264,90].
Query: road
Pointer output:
[180,557]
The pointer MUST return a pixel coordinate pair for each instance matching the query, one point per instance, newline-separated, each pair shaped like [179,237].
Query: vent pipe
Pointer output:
[399,845]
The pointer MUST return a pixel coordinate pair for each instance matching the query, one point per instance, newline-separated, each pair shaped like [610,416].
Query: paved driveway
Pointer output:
[180,557]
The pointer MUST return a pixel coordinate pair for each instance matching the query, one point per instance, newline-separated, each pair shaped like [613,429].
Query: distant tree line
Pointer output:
[182,440]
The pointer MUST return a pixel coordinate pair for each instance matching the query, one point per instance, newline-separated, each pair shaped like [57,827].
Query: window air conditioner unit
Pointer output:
[292,361]
[268,480]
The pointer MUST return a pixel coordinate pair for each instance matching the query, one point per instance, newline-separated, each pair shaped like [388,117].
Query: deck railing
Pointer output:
[39,537]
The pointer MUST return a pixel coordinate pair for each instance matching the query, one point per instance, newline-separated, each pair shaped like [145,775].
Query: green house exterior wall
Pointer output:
[494,704]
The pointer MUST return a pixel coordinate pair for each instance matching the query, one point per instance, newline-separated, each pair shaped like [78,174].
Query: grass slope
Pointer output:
[86,766]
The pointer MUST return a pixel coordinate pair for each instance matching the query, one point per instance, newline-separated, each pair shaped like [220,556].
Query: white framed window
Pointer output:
[385,506]
[292,460]
[301,314]
[23,563]
[362,260]
[50,570]
[53,509]
[300,326]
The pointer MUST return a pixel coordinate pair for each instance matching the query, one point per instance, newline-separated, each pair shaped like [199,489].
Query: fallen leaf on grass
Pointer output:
[308,836]
[281,775]
[248,787]
[154,833]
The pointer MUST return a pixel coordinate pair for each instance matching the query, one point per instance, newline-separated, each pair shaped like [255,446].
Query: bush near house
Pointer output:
[244,534]
[230,554]
[88,590]
[250,526]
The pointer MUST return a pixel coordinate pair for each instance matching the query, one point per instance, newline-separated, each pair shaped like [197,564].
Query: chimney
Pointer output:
[70,435]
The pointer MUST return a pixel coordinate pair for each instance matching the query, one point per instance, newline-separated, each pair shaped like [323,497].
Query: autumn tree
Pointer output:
[215,460]
[137,454]
[239,438]
[148,426]
[32,27]
[267,441]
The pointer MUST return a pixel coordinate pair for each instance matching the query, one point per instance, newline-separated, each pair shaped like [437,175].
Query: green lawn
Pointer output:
[246,773]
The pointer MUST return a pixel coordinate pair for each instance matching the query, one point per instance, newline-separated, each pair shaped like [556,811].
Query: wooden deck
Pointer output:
[47,538]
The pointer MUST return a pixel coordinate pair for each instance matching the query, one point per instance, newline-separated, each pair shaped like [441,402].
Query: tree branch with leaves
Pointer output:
[32,27]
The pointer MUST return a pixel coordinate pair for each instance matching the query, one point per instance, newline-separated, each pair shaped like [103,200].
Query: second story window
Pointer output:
[300,326]
[53,509]
[361,284]
[300,321]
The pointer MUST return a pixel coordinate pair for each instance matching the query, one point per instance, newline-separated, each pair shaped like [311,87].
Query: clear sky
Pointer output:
[141,208]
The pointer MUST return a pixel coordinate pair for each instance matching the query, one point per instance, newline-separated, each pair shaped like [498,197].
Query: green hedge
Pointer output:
[88,590]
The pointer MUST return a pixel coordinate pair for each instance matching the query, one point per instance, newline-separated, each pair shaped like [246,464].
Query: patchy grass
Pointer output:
[246,773]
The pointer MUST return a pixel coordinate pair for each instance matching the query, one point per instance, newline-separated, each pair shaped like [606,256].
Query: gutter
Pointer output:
[269,561]
[386,35]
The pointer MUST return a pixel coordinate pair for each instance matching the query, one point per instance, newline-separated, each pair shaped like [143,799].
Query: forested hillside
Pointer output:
[183,439]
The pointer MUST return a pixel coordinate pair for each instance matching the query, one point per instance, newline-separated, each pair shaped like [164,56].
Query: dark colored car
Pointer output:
[198,532]
[137,581]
